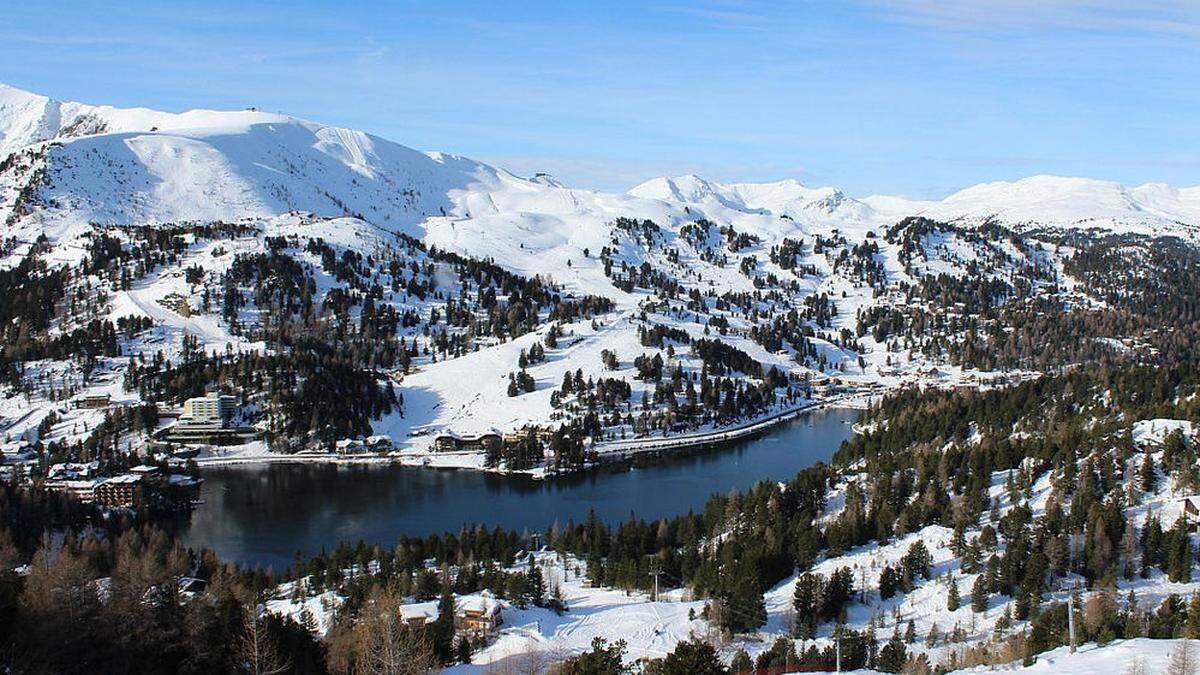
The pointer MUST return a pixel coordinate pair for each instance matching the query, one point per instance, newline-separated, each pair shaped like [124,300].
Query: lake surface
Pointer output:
[262,514]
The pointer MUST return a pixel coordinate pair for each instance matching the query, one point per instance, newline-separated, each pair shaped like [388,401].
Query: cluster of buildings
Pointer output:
[489,440]
[129,490]
[366,446]
[477,614]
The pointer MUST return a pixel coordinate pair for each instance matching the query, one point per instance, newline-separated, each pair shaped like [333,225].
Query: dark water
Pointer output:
[263,514]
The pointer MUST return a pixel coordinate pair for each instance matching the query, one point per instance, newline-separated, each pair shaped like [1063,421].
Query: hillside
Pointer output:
[201,242]
[1025,353]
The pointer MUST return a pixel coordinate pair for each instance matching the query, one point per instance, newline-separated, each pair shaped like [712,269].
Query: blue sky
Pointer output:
[913,97]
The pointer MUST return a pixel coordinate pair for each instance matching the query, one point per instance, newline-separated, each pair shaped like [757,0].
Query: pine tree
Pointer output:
[934,635]
[952,600]
[1179,552]
[693,657]
[464,649]
[442,632]
[1149,476]
[887,583]
[805,601]
[535,584]
[893,655]
[979,594]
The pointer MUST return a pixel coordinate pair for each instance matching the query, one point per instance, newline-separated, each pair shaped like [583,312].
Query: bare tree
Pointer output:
[1136,667]
[259,653]
[1183,659]
[384,644]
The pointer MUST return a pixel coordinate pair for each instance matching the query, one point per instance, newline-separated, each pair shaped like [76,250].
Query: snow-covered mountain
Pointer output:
[183,221]
[69,164]
[1051,201]
[1084,202]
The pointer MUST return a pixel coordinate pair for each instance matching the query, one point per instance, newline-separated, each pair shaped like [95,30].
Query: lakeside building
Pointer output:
[450,442]
[370,445]
[208,419]
[128,490]
[83,489]
[124,491]
[212,410]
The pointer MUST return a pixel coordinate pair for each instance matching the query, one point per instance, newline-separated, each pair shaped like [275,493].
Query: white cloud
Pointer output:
[1179,18]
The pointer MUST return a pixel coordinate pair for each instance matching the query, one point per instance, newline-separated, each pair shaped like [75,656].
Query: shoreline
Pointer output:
[610,452]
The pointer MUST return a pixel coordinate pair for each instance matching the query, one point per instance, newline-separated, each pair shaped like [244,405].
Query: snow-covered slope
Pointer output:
[782,198]
[806,280]
[1055,200]
[72,164]
[1052,201]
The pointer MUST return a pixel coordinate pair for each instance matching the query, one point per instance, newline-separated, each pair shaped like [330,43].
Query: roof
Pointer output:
[418,610]
[125,479]
[89,484]
[476,603]
[479,603]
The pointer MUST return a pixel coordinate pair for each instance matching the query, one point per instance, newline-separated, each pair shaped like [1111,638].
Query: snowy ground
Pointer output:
[1140,656]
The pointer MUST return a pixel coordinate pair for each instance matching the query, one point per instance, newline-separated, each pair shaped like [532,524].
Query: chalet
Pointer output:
[1191,511]
[479,614]
[419,614]
[349,446]
[93,402]
[481,443]
[148,471]
[72,471]
[378,443]
[17,453]
[476,614]
[77,479]
[354,446]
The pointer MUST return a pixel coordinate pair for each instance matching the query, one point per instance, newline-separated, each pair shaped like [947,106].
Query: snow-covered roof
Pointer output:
[478,603]
[417,610]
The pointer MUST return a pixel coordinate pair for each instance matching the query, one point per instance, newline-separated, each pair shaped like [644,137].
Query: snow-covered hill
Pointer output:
[808,281]
[70,164]
[74,163]
[1050,201]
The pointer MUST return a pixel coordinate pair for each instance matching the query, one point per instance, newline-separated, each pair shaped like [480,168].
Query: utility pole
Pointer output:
[655,570]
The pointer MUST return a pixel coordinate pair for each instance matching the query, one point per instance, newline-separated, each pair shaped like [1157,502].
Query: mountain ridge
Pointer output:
[221,165]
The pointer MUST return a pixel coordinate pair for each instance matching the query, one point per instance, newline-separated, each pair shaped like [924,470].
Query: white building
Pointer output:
[207,419]
[213,409]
